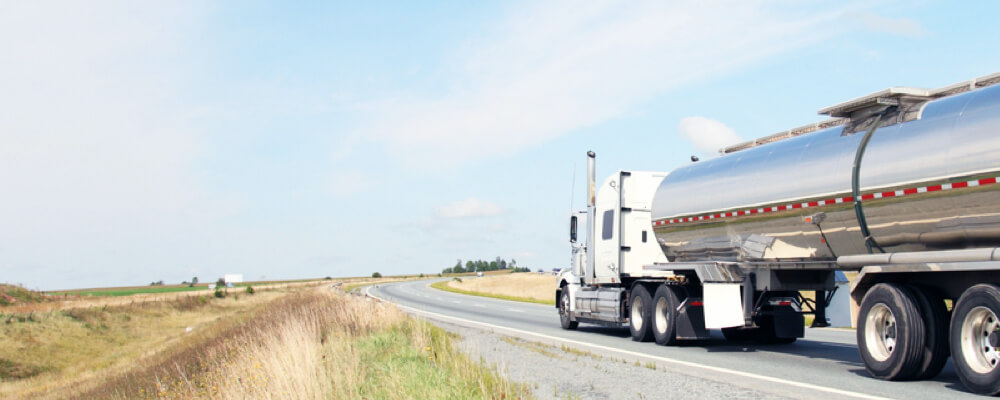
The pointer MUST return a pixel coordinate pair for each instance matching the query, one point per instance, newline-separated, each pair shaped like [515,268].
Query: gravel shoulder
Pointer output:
[561,372]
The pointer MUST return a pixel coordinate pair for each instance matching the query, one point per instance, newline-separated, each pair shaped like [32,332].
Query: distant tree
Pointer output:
[221,283]
[503,264]
[458,264]
[493,265]
[194,280]
[376,275]
[447,270]
[156,283]
[513,263]
[470,266]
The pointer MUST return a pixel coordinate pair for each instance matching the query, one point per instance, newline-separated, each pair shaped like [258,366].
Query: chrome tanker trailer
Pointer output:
[900,186]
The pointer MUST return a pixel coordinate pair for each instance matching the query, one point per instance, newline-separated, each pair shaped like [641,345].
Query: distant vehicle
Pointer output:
[479,274]
[730,242]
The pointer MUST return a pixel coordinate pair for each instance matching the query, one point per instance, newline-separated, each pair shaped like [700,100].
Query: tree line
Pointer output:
[483,265]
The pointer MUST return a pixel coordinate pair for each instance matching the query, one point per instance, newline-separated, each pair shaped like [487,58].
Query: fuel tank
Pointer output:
[930,183]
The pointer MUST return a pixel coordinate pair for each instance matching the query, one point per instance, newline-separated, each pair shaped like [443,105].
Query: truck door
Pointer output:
[607,246]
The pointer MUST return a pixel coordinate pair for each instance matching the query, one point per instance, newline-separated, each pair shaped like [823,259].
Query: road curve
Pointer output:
[824,364]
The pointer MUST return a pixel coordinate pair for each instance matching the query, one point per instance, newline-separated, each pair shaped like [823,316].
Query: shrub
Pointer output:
[220,292]
[376,275]
[250,289]
[457,279]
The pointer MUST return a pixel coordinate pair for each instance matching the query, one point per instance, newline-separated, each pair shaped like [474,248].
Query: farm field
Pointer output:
[288,341]
[523,286]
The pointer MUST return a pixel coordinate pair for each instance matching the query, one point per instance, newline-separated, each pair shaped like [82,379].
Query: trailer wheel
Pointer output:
[891,333]
[564,318]
[975,339]
[935,315]
[640,307]
[664,324]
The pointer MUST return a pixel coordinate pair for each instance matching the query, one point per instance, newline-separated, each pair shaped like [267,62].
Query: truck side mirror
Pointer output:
[572,229]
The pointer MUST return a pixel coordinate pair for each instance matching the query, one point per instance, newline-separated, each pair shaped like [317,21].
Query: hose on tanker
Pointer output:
[855,182]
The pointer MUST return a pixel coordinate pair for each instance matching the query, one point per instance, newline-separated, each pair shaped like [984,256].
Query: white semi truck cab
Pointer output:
[900,186]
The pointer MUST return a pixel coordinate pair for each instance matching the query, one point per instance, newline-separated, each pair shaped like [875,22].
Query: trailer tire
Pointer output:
[640,307]
[974,339]
[935,315]
[565,320]
[664,321]
[891,332]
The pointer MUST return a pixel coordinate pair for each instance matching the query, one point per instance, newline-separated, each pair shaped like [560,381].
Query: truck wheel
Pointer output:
[975,339]
[640,305]
[664,325]
[935,316]
[564,317]
[891,333]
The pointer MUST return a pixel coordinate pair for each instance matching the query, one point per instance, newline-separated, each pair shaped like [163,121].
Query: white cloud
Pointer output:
[470,207]
[896,26]
[707,135]
[555,67]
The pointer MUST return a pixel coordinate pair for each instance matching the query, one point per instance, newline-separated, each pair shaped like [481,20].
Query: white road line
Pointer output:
[646,356]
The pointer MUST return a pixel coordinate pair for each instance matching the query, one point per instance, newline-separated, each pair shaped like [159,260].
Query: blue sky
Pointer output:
[166,140]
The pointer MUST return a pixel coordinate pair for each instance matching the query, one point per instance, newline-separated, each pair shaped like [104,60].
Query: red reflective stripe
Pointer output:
[846,199]
[784,303]
[696,303]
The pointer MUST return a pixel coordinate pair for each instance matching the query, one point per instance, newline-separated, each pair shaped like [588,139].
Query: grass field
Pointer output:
[290,341]
[524,286]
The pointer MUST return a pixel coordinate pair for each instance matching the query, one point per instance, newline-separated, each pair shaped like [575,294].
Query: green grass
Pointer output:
[398,368]
[128,291]
[10,294]
[443,285]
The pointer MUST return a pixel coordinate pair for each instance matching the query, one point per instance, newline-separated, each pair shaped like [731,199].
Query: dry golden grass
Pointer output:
[530,285]
[298,343]
[61,352]
[319,345]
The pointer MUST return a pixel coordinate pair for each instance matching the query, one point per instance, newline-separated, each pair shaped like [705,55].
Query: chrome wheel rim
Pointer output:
[662,317]
[564,306]
[977,350]
[880,332]
[636,319]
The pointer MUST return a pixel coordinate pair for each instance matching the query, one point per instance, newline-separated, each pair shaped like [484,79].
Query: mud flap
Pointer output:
[723,305]
[691,321]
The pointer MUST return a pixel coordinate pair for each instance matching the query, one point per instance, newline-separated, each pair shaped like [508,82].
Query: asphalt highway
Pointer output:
[824,364]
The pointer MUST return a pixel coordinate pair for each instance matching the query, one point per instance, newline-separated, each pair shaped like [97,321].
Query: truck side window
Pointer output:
[607,229]
[644,236]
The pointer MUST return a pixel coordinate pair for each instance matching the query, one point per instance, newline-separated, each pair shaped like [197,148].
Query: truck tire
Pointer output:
[664,321]
[564,318]
[935,315]
[891,333]
[975,339]
[640,304]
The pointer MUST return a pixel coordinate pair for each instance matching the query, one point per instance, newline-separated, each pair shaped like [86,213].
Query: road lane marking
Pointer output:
[687,364]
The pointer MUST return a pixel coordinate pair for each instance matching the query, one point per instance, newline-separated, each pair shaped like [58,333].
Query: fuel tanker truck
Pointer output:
[900,186]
